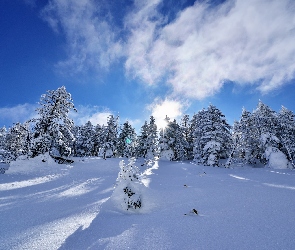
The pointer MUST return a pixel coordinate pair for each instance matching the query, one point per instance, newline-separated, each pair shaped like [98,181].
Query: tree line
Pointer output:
[205,138]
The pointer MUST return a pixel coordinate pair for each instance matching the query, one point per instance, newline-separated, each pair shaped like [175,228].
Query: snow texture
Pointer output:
[45,205]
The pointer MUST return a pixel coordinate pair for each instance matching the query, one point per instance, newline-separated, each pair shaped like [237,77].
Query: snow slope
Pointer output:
[51,206]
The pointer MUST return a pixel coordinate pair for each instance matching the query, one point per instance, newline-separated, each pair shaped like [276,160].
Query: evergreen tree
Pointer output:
[196,134]
[287,133]
[187,137]
[110,137]
[172,143]
[84,144]
[142,141]
[128,182]
[165,151]
[53,128]
[97,139]
[3,133]
[152,140]
[126,141]
[17,140]
[215,137]
[242,138]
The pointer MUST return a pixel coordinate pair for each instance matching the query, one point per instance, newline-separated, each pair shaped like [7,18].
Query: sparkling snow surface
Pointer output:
[51,206]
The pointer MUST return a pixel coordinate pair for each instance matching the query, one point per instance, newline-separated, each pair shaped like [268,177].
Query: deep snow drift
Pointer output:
[51,206]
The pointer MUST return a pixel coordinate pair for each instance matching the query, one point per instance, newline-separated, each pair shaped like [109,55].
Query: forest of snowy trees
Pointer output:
[205,138]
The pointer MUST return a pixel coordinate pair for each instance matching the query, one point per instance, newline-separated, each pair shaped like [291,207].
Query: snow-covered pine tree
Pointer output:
[152,140]
[17,140]
[264,133]
[97,139]
[286,133]
[110,138]
[3,133]
[172,144]
[165,151]
[53,128]
[84,144]
[215,138]
[242,139]
[196,134]
[179,145]
[142,141]
[128,183]
[126,141]
[187,136]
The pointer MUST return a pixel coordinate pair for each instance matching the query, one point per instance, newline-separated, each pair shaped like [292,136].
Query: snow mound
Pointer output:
[276,158]
[167,155]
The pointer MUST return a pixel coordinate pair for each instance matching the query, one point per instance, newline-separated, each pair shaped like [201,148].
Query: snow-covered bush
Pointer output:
[276,159]
[127,192]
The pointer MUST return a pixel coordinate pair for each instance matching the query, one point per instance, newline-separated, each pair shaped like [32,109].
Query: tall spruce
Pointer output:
[110,137]
[287,133]
[126,141]
[53,128]
[215,137]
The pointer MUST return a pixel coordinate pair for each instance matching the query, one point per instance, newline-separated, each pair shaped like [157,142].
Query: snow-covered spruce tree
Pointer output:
[196,134]
[84,144]
[187,137]
[172,144]
[215,138]
[97,139]
[265,132]
[242,140]
[126,141]
[147,142]
[3,133]
[128,185]
[142,141]
[152,140]
[53,128]
[286,133]
[17,140]
[165,150]
[110,138]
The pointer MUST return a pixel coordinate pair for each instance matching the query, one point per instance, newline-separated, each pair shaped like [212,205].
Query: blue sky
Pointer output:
[139,58]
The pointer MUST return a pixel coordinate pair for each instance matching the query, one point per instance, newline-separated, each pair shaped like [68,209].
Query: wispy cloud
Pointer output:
[248,42]
[91,39]
[19,113]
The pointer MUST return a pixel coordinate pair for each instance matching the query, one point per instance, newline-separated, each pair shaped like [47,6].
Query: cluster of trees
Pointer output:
[205,138]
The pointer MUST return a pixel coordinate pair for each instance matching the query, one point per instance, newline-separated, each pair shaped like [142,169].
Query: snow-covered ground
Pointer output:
[51,206]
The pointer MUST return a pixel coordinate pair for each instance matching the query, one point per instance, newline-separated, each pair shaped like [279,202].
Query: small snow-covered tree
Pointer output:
[128,183]
[53,128]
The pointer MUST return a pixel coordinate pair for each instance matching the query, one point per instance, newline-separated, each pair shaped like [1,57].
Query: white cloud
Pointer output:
[19,113]
[161,108]
[249,42]
[94,114]
[91,40]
